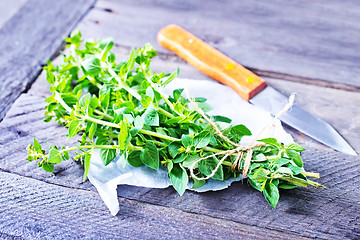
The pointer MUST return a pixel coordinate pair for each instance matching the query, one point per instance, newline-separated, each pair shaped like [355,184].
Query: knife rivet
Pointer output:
[230,66]
[250,79]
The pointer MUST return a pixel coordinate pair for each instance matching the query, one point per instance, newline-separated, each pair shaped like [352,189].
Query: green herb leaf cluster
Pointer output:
[120,108]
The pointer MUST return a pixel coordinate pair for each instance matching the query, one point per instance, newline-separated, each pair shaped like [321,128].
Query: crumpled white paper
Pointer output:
[225,102]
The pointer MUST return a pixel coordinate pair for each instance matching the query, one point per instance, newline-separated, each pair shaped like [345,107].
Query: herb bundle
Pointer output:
[121,109]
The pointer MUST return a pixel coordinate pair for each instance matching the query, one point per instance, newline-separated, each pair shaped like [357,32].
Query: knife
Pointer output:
[248,85]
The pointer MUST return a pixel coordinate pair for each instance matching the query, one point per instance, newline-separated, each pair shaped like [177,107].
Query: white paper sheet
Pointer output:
[225,102]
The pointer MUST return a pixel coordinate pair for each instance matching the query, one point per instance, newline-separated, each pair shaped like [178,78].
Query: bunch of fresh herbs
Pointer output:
[120,108]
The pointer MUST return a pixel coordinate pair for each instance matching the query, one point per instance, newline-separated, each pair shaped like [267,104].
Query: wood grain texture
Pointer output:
[312,39]
[335,106]
[29,38]
[9,8]
[31,209]
[331,213]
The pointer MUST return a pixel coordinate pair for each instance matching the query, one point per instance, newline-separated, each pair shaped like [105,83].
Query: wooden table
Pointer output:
[308,47]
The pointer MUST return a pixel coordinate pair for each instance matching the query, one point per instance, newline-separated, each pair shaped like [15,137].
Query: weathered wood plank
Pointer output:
[31,209]
[312,39]
[320,101]
[29,38]
[324,213]
[9,8]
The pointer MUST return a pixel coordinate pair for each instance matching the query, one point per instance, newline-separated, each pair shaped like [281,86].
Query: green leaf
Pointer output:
[281,161]
[270,141]
[86,165]
[85,100]
[179,179]
[145,101]
[254,183]
[173,149]
[187,141]
[50,77]
[241,130]
[150,92]
[218,118]
[130,63]
[75,38]
[37,146]
[111,57]
[204,106]
[92,65]
[189,160]
[92,130]
[198,183]
[54,156]
[177,94]
[105,99]
[261,174]
[180,158]
[259,158]
[171,77]
[169,166]
[286,185]
[206,167]
[271,193]
[296,170]
[107,155]
[284,170]
[138,124]
[74,128]
[124,136]
[151,117]
[106,45]
[150,155]
[295,156]
[294,146]
[202,139]
[134,159]
[49,167]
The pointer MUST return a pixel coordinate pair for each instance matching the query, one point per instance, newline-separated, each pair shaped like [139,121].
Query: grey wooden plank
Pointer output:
[311,39]
[331,213]
[335,106]
[9,8]
[32,35]
[32,209]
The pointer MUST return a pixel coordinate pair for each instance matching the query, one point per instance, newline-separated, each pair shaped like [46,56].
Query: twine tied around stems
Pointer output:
[239,149]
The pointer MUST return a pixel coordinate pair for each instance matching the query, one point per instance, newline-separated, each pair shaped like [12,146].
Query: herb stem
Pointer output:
[311,174]
[107,116]
[94,82]
[62,103]
[123,85]
[146,132]
[154,134]
[164,96]
[166,113]
[297,181]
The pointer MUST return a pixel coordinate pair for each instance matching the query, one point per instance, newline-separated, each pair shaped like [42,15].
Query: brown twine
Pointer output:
[240,150]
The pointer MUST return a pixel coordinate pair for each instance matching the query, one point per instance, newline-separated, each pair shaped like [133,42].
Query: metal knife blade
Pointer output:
[248,85]
[272,101]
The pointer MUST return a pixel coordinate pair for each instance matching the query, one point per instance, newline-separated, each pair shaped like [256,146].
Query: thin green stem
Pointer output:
[114,125]
[107,116]
[62,103]
[96,146]
[154,134]
[164,96]
[94,82]
[123,85]
[162,111]
[311,174]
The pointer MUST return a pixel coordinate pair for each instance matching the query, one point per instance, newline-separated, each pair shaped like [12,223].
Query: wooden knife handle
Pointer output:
[210,61]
